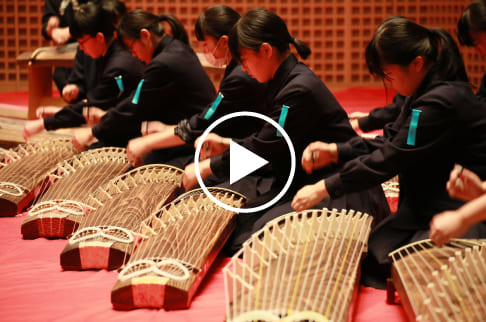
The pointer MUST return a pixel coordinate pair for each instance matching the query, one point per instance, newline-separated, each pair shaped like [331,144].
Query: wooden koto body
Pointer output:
[441,283]
[23,171]
[106,238]
[185,237]
[300,267]
[58,212]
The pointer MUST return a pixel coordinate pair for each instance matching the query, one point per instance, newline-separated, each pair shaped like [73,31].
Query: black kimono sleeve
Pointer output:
[107,92]
[79,72]
[124,120]
[238,92]
[380,116]
[404,151]
[268,143]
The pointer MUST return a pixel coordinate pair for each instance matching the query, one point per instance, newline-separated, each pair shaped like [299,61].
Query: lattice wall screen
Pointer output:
[336,30]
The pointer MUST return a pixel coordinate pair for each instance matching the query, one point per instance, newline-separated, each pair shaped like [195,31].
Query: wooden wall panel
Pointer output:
[336,30]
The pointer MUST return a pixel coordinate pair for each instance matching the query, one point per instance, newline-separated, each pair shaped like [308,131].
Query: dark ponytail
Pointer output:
[473,20]
[260,26]
[302,48]
[178,30]
[216,22]
[399,41]
[136,20]
[449,60]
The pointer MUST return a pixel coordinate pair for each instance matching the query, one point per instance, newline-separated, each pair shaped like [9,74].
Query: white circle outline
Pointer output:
[292,162]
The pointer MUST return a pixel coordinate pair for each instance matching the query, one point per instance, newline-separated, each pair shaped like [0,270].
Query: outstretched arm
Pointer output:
[137,148]
[464,184]
[310,195]
[213,145]
[451,224]
[319,154]
[189,180]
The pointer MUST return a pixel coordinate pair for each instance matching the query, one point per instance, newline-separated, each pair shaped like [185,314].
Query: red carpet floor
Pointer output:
[33,286]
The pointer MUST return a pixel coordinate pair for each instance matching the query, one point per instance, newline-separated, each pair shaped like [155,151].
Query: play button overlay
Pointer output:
[243,162]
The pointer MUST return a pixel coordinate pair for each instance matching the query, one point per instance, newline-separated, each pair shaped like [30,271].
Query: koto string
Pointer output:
[76,178]
[26,171]
[192,226]
[272,268]
[183,235]
[87,172]
[27,164]
[449,271]
[127,200]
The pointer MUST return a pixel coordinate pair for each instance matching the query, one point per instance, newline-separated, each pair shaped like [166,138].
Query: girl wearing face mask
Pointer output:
[302,104]
[441,123]
[471,31]
[173,87]
[238,91]
[115,72]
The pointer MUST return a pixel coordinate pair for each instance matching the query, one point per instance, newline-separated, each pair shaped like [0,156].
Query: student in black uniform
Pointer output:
[174,85]
[237,91]
[94,26]
[471,31]
[55,26]
[442,123]
[73,83]
[299,101]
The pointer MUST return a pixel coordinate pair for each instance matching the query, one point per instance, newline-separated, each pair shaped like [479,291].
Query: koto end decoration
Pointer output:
[106,237]
[58,212]
[23,171]
[185,237]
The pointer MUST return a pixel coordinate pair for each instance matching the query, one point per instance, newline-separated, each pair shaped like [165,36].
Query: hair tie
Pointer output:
[292,40]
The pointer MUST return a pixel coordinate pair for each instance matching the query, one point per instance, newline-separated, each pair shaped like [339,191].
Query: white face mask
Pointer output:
[218,62]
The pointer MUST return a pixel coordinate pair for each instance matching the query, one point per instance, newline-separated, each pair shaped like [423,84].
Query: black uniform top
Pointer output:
[107,92]
[237,92]
[85,73]
[380,116]
[481,93]
[313,114]
[450,128]
[174,86]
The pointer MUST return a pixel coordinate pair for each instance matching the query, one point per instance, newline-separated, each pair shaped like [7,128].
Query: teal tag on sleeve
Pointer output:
[412,130]
[213,106]
[119,82]
[136,97]
[282,118]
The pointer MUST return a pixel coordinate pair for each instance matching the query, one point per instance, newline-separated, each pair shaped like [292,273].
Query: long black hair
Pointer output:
[97,16]
[136,20]
[399,41]
[260,26]
[216,22]
[473,20]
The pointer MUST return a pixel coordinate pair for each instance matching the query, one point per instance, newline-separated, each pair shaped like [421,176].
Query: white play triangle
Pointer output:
[243,162]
